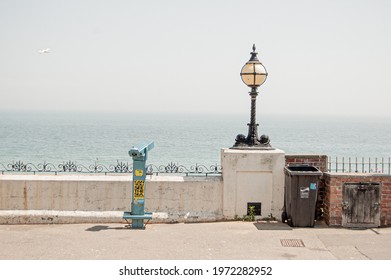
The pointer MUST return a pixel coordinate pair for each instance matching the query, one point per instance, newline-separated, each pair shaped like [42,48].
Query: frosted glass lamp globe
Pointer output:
[253,73]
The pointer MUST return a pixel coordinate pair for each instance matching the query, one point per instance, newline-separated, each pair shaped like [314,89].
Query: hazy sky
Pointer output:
[323,57]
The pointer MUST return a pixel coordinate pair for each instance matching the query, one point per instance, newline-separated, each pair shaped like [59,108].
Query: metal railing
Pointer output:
[360,165]
[335,164]
[98,168]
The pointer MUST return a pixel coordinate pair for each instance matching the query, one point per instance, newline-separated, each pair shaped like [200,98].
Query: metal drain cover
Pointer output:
[292,243]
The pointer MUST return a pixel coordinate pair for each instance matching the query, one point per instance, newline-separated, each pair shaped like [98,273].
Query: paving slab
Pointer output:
[192,241]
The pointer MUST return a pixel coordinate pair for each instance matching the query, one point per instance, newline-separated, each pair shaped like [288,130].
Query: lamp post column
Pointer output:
[252,136]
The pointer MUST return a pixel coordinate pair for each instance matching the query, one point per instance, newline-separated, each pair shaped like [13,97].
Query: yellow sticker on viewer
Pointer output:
[138,172]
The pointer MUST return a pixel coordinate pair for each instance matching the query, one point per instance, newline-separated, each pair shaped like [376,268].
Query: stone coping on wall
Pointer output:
[306,155]
[108,178]
[355,174]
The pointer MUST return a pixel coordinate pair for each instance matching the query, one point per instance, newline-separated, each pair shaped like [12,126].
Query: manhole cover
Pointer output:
[292,243]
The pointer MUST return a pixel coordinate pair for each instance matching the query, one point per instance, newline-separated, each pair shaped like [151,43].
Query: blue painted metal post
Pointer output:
[139,153]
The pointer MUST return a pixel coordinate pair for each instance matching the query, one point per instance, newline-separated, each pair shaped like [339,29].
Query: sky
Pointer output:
[323,57]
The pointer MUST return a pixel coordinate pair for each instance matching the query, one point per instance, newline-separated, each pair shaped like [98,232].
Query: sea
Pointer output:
[182,139]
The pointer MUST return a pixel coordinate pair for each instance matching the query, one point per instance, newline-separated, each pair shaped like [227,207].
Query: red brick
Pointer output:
[334,193]
[336,214]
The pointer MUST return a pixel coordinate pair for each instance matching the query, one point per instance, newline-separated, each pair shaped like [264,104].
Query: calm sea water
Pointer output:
[182,139]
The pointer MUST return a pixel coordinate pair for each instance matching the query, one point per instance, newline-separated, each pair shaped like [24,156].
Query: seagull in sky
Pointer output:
[44,51]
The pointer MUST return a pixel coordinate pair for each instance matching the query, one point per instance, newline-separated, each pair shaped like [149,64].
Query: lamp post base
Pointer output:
[252,148]
[252,143]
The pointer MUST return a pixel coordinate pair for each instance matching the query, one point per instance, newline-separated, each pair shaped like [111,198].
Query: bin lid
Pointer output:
[303,170]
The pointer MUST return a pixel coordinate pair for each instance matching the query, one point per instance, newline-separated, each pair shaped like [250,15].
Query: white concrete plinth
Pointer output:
[253,176]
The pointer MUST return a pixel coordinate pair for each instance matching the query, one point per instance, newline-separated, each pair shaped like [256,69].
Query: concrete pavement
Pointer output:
[192,241]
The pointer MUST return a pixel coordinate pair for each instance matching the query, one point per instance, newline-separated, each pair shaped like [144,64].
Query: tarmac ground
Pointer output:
[235,240]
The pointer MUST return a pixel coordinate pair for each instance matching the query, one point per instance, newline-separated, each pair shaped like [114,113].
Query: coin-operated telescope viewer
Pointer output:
[139,154]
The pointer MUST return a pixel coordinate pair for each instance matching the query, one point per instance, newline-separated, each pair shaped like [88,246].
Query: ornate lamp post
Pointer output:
[253,74]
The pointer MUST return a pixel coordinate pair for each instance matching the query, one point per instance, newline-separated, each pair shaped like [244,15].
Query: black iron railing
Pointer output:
[335,164]
[98,168]
[360,165]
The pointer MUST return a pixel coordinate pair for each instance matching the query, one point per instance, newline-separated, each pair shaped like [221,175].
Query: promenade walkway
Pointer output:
[199,241]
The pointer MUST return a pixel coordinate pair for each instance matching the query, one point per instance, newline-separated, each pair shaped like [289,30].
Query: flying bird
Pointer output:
[44,51]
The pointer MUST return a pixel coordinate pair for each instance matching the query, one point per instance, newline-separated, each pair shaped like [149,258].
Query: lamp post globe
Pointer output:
[253,74]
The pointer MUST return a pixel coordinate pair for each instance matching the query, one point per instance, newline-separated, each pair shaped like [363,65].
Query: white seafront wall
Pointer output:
[95,198]
[249,176]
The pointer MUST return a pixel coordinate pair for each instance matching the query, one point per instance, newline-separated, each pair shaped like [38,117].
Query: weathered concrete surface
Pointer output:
[253,176]
[214,241]
[84,198]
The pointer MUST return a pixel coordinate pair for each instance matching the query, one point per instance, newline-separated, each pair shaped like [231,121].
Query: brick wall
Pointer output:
[333,198]
[319,161]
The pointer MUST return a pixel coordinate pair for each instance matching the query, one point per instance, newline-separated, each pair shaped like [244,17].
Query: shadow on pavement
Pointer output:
[99,228]
[272,226]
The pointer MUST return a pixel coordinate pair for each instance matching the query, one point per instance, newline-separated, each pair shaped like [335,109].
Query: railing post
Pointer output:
[362,165]
[369,164]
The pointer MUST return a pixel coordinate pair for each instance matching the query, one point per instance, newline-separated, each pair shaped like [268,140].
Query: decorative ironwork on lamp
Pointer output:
[253,74]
